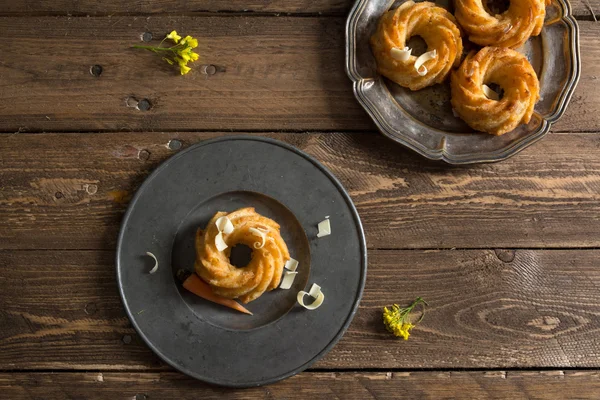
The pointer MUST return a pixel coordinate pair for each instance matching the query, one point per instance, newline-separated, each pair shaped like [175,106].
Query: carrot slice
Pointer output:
[200,288]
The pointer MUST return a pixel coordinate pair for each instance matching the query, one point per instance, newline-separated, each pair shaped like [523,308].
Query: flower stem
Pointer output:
[153,48]
[415,303]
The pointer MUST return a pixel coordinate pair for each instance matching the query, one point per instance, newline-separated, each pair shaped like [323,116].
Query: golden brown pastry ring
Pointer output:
[438,29]
[512,28]
[508,69]
[263,273]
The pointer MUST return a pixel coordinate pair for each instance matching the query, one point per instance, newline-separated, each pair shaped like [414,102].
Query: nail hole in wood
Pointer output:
[131,102]
[58,195]
[96,70]
[175,144]
[146,36]
[127,339]
[91,189]
[90,308]
[506,256]
[144,105]
[209,69]
[144,155]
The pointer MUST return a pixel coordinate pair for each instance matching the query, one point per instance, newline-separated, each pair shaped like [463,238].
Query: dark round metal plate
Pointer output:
[211,342]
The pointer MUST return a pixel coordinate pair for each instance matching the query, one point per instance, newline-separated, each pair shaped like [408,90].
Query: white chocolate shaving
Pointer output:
[291,265]
[422,59]
[220,242]
[155,268]
[314,290]
[489,93]
[324,228]
[288,279]
[263,237]
[316,293]
[400,54]
[224,225]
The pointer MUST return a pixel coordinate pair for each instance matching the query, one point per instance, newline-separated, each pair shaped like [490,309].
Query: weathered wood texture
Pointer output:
[488,309]
[348,386]
[69,191]
[137,7]
[271,74]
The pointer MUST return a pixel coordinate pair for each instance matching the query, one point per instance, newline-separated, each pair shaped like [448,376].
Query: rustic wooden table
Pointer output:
[506,254]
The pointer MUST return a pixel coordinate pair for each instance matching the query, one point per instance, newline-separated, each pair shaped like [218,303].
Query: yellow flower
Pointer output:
[397,320]
[174,36]
[184,56]
[187,54]
[181,53]
[190,42]
[184,69]
[403,330]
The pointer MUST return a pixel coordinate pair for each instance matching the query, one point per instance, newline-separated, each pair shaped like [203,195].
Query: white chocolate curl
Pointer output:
[316,293]
[220,242]
[224,225]
[291,265]
[489,93]
[324,228]
[155,268]
[262,234]
[288,279]
[400,54]
[422,59]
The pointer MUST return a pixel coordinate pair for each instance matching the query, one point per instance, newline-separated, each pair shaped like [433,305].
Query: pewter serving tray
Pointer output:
[423,120]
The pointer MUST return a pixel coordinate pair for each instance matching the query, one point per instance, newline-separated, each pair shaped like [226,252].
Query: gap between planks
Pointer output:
[7,134]
[348,386]
[547,370]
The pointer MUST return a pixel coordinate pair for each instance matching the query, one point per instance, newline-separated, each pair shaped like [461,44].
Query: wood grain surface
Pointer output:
[581,8]
[488,309]
[531,385]
[69,191]
[255,73]
[505,254]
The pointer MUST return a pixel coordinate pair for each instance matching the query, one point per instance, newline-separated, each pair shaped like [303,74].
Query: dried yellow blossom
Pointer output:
[180,54]
[397,320]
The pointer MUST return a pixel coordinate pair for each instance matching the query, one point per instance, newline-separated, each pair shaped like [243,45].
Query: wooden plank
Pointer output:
[488,309]
[137,7]
[581,8]
[272,73]
[69,191]
[61,308]
[260,73]
[476,385]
